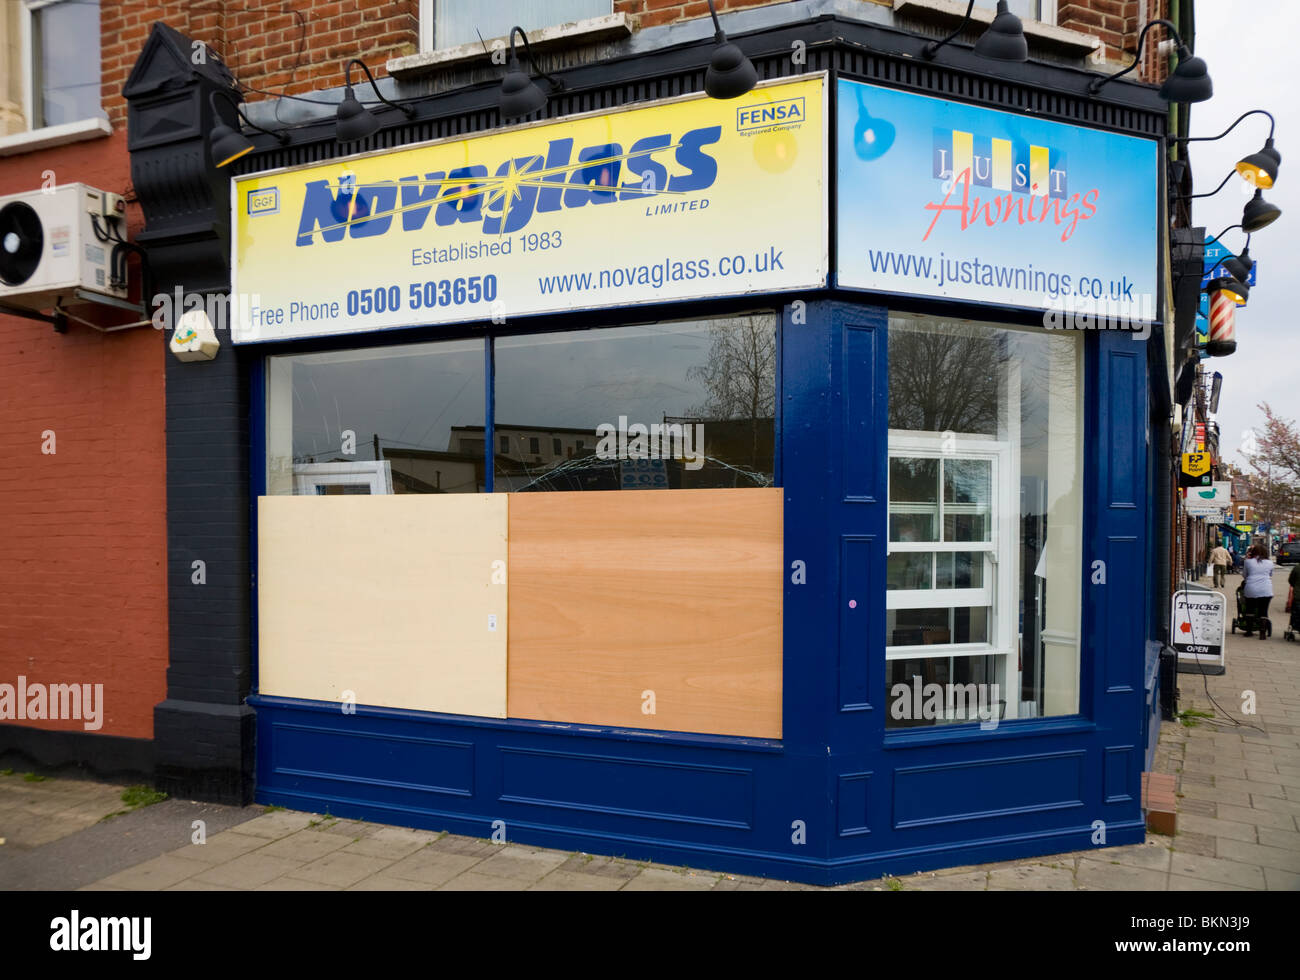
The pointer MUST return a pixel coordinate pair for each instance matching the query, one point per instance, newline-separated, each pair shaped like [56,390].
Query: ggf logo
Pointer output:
[264,200]
[999,163]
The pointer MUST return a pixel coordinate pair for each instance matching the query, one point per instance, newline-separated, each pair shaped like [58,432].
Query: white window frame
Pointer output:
[28,71]
[998,591]
[425,26]
[376,474]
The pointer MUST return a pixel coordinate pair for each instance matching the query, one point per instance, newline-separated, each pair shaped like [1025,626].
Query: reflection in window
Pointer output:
[388,420]
[665,406]
[65,45]
[985,502]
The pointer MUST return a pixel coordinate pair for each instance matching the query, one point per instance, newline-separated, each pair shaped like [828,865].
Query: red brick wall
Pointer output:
[263,43]
[1117,23]
[83,596]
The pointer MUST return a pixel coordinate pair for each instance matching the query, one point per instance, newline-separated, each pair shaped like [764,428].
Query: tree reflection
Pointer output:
[944,381]
[739,381]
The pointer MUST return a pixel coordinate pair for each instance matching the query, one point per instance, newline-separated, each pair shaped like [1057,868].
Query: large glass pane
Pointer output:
[1012,399]
[65,62]
[403,419]
[664,406]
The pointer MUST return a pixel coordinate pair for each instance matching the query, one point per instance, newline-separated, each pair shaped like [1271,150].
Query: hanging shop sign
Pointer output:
[1197,464]
[679,199]
[1196,630]
[950,200]
[1211,502]
[1213,264]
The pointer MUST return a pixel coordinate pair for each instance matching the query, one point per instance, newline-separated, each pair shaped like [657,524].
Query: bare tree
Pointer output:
[944,381]
[739,376]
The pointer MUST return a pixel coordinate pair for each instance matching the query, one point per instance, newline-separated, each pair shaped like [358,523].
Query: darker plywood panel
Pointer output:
[676,592]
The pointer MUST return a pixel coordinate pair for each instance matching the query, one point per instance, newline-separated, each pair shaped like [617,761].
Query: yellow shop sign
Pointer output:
[680,199]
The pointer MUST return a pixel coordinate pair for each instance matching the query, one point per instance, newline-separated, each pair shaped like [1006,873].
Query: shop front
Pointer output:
[742,484]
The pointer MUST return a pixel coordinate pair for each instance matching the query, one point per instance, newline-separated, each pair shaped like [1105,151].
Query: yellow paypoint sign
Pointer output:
[688,198]
[1196,464]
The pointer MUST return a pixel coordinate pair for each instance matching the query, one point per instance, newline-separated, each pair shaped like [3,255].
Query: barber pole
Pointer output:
[1223,324]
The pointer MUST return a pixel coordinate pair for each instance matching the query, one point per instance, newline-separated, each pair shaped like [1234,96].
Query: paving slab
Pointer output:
[340,869]
[1211,869]
[248,870]
[431,867]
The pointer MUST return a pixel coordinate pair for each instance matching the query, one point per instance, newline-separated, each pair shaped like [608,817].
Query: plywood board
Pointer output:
[385,596]
[678,592]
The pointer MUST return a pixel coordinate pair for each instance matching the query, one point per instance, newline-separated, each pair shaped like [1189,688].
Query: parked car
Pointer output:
[1288,552]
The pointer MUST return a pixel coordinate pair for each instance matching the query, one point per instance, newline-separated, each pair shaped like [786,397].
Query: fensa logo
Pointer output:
[785,114]
[1000,164]
[264,200]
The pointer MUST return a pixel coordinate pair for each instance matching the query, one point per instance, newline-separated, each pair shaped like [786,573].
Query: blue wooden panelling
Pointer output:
[721,796]
[857,584]
[981,789]
[395,766]
[1118,773]
[860,468]
[852,804]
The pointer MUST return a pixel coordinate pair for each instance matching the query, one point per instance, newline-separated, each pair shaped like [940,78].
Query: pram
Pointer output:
[1249,622]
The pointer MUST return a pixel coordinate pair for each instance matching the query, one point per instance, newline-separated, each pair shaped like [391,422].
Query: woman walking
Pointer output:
[1258,585]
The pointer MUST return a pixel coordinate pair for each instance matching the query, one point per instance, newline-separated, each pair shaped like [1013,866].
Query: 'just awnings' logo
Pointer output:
[1029,183]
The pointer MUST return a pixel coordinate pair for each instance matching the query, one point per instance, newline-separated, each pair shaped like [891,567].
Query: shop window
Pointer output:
[984,566]
[448,23]
[665,406]
[61,44]
[1043,11]
[403,419]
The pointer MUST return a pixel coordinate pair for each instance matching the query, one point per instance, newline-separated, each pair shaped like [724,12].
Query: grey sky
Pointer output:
[1249,47]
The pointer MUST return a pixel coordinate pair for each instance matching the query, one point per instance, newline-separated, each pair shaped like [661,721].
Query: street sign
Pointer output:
[1196,630]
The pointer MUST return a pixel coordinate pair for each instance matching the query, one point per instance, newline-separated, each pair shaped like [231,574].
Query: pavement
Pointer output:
[1238,826]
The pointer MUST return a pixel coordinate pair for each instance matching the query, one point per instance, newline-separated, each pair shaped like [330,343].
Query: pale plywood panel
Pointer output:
[387,596]
[674,591]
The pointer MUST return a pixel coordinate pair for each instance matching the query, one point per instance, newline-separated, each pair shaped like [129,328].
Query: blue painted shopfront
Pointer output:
[837,798]
[840,796]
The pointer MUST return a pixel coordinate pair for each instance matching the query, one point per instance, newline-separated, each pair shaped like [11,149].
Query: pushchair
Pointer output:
[1248,622]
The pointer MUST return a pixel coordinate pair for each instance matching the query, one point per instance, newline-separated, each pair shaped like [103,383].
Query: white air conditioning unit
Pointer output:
[50,254]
